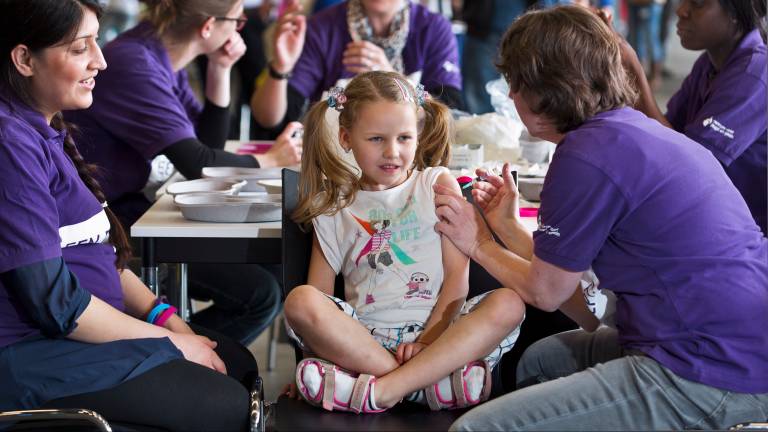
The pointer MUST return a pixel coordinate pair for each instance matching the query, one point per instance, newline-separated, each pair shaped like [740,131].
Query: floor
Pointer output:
[679,62]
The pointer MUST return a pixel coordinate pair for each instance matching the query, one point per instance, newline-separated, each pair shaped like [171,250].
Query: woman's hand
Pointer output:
[290,32]
[287,148]
[227,55]
[498,198]
[177,325]
[364,56]
[460,221]
[198,349]
[406,351]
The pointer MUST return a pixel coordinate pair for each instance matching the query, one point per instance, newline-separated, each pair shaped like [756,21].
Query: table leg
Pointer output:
[149,266]
[184,291]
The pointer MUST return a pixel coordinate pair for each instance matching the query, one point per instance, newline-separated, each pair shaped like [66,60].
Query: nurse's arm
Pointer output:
[539,284]
[646,102]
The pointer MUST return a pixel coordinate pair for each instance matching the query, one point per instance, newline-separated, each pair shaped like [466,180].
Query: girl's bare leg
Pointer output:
[471,337]
[333,335]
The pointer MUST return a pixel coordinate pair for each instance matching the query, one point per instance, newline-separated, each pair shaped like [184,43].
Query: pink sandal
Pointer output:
[462,398]
[326,397]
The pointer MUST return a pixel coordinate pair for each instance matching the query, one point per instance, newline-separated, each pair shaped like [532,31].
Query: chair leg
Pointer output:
[274,332]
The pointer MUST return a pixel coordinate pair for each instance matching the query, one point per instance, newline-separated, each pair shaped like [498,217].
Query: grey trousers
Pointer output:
[586,381]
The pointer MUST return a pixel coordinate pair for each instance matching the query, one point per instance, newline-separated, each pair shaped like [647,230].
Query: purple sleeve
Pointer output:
[579,207]
[308,72]
[187,97]
[441,61]
[731,118]
[28,216]
[136,102]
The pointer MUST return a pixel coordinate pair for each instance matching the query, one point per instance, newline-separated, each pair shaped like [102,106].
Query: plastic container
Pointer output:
[250,175]
[274,186]
[231,209]
[211,186]
[530,187]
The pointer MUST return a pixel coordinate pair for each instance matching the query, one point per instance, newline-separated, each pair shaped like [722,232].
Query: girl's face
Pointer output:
[383,141]
[62,76]
[705,25]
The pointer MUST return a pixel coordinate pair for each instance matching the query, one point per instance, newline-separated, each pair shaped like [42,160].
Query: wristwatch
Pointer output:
[277,75]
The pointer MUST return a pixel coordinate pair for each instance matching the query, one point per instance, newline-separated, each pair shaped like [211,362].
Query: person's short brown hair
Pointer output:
[566,62]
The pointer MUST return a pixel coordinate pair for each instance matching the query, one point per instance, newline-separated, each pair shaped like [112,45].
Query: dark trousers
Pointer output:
[179,395]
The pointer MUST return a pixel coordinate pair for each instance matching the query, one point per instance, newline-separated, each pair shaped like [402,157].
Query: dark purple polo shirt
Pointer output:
[727,115]
[430,48]
[664,228]
[41,194]
[140,107]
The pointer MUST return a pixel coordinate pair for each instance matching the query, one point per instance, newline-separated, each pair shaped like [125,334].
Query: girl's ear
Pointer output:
[344,139]
[22,60]
[207,28]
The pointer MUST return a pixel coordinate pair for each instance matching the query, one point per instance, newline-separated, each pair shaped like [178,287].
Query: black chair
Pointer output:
[289,414]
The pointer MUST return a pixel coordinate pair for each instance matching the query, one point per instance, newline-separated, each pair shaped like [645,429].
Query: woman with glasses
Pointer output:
[77,328]
[145,121]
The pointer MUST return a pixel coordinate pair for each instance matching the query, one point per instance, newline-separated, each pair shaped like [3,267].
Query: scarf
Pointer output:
[393,44]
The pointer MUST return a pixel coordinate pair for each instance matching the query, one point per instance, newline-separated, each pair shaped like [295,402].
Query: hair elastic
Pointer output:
[164,316]
[156,311]
[337,98]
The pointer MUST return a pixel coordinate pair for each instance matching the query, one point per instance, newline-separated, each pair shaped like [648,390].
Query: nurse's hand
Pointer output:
[177,325]
[198,349]
[364,56]
[460,221]
[498,198]
[290,31]
[228,54]
[287,148]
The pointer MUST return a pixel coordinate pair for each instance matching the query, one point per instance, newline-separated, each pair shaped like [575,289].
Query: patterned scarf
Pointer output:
[360,29]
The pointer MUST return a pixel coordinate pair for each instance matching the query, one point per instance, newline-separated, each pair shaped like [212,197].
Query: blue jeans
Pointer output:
[645,31]
[588,382]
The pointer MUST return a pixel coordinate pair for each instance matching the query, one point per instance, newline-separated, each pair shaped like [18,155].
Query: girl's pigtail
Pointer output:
[436,136]
[326,181]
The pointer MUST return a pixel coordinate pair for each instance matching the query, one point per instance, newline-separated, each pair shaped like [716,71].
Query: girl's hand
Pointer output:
[290,31]
[287,148]
[198,349]
[460,221]
[364,56]
[498,198]
[228,54]
[407,351]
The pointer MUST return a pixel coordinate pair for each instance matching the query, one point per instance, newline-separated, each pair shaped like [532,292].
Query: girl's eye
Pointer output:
[374,139]
[405,138]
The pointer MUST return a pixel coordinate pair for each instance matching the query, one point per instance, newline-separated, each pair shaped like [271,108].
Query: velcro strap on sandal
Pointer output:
[457,384]
[329,386]
[359,393]
[431,396]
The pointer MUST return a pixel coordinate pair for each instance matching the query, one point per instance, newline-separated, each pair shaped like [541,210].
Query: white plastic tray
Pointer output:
[250,175]
[273,186]
[214,186]
[223,208]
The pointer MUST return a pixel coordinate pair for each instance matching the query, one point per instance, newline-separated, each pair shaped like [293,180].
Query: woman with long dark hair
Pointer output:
[78,329]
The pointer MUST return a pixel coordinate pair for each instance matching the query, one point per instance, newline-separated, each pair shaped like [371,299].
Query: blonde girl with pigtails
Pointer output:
[405,285]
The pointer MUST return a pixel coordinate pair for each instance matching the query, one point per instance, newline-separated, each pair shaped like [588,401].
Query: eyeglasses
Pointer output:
[240,21]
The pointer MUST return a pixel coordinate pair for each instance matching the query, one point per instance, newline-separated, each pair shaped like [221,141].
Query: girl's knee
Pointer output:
[506,307]
[301,304]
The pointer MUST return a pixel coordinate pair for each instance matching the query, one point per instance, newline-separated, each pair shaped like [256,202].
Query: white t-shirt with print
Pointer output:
[387,250]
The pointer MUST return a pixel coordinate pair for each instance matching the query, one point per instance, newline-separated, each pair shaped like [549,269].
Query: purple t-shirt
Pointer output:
[665,229]
[140,107]
[430,48]
[727,115]
[41,196]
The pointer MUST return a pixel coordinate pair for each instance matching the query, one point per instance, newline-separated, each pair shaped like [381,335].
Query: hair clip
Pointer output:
[421,95]
[337,98]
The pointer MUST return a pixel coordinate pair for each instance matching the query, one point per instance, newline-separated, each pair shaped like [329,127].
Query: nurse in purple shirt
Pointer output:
[722,103]
[658,220]
[78,329]
[145,115]
[353,37]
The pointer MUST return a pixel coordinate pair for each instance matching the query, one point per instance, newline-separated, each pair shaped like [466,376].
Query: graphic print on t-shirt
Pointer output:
[92,230]
[385,250]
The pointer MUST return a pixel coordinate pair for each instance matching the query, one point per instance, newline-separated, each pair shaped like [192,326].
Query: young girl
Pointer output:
[78,329]
[404,282]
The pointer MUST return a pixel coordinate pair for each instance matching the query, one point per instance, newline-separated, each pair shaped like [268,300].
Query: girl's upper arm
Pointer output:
[454,261]
[321,275]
